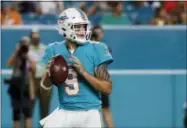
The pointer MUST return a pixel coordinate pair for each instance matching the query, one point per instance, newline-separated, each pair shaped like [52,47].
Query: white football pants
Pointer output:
[61,118]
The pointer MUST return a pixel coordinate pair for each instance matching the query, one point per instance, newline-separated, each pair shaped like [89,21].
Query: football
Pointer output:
[58,70]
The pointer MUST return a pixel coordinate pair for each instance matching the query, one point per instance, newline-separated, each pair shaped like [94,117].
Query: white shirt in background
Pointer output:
[51,7]
[35,54]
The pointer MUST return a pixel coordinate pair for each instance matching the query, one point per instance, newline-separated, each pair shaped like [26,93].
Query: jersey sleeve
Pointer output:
[102,54]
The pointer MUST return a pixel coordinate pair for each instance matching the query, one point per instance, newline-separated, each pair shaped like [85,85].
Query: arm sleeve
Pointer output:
[18,19]
[105,101]
[102,54]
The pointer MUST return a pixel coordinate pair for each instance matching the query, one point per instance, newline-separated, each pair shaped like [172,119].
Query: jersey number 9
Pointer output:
[72,84]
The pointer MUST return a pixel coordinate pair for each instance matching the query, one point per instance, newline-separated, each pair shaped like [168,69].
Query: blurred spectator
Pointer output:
[36,51]
[140,12]
[170,5]
[38,10]
[89,7]
[183,18]
[101,7]
[95,10]
[20,83]
[153,4]
[139,3]
[161,17]
[178,14]
[50,7]
[174,17]
[75,4]
[111,12]
[97,35]
[9,14]
[117,17]
[26,6]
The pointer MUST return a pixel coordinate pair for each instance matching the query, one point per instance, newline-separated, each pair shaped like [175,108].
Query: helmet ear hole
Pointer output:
[64,29]
[71,27]
[64,35]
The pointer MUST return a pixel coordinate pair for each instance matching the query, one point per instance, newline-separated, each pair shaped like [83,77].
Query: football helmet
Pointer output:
[68,21]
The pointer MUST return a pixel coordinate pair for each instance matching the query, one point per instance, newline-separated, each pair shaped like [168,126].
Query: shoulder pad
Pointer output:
[94,42]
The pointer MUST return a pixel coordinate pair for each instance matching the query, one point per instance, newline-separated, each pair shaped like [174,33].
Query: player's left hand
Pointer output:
[78,65]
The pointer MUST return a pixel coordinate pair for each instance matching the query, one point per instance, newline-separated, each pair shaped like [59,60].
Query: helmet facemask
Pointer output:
[81,33]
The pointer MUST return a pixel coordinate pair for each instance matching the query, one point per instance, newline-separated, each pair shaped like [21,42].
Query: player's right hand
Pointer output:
[78,65]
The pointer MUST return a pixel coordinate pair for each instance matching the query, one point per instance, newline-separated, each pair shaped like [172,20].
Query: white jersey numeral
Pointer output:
[72,84]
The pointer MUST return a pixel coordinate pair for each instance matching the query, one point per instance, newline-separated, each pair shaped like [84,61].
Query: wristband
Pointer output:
[44,87]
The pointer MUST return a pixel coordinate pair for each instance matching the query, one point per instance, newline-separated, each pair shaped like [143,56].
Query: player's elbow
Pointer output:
[108,88]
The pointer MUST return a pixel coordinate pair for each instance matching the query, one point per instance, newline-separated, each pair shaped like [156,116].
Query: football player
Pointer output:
[79,96]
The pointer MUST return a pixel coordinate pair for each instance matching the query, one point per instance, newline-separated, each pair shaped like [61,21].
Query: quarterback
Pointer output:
[88,77]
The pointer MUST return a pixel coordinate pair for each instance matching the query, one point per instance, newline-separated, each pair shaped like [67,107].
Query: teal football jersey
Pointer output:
[77,93]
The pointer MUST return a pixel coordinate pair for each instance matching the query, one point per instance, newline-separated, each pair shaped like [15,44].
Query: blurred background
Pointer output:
[148,42]
[104,13]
